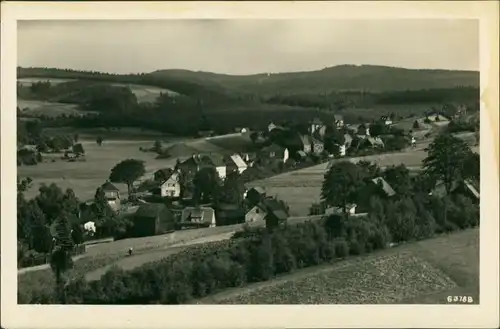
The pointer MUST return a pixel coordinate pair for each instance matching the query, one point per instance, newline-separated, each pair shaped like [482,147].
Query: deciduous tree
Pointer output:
[340,185]
[127,172]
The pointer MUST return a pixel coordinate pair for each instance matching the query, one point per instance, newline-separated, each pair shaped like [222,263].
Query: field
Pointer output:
[85,177]
[301,188]
[51,109]
[401,110]
[234,142]
[420,272]
[146,94]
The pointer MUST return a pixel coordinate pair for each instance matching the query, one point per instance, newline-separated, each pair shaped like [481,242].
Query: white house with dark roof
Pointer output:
[112,195]
[171,187]
[198,217]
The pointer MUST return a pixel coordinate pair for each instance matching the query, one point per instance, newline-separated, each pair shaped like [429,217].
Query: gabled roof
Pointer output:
[215,159]
[150,210]
[166,171]
[205,214]
[275,207]
[108,187]
[385,186]
[238,161]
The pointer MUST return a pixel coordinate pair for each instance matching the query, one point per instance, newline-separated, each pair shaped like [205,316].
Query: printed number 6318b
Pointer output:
[460,299]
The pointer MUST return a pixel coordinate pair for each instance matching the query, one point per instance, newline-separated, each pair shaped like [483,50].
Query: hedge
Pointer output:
[259,255]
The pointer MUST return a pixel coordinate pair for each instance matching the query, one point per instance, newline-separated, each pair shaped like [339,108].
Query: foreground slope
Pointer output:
[424,272]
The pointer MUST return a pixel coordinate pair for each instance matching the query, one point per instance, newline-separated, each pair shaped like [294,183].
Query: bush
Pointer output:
[341,249]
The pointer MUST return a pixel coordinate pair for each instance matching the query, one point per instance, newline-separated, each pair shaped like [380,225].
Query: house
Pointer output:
[169,187]
[386,120]
[317,146]
[194,217]
[388,190]
[152,219]
[305,144]
[236,163]
[112,195]
[272,126]
[255,214]
[350,208]
[255,194]
[199,161]
[315,125]
[249,158]
[342,150]
[89,228]
[276,212]
[275,151]
[338,120]
[162,174]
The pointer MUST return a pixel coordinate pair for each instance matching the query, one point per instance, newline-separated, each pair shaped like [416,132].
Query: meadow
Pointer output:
[85,177]
[237,142]
[146,94]
[35,108]
[423,272]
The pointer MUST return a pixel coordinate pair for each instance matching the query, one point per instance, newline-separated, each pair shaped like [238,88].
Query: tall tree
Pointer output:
[232,189]
[399,178]
[127,172]
[206,184]
[341,184]
[61,261]
[446,160]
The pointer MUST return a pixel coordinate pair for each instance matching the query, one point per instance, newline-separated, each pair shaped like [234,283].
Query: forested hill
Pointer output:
[366,78]
[338,78]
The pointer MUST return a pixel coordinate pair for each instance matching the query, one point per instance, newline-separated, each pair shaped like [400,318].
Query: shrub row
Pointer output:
[258,254]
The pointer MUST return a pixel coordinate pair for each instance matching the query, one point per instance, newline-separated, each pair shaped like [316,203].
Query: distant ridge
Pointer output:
[369,78]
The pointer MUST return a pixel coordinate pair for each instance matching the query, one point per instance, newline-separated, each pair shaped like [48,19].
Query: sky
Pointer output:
[247,46]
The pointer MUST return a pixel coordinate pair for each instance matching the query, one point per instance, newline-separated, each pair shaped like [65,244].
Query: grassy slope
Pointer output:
[447,265]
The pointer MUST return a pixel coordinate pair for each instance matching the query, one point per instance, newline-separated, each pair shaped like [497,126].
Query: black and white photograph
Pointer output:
[248,161]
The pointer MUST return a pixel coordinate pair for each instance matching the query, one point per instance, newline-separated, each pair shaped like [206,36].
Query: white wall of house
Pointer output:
[286,155]
[255,214]
[342,150]
[221,170]
[170,188]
